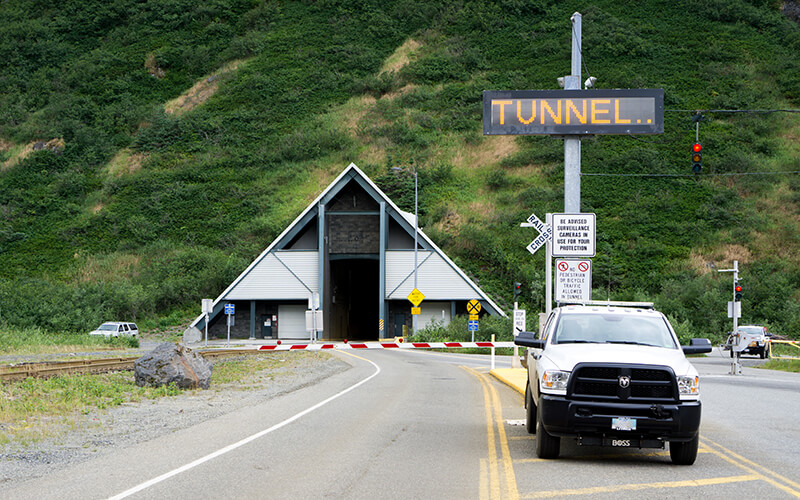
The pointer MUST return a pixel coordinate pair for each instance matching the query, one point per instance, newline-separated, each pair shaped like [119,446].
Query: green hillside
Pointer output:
[150,150]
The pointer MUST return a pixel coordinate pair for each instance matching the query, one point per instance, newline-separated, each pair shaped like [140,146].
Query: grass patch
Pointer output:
[35,409]
[784,365]
[37,341]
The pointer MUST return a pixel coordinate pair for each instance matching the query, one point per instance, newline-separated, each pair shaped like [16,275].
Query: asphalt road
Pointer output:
[414,424]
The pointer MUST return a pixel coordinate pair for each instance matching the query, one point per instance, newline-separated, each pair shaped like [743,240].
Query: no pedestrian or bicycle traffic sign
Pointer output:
[573,280]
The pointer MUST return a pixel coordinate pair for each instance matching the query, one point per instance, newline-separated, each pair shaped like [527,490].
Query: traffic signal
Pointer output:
[737,292]
[517,291]
[697,157]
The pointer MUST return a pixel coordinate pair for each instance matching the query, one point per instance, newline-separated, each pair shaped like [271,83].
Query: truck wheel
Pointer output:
[763,352]
[547,446]
[684,453]
[530,420]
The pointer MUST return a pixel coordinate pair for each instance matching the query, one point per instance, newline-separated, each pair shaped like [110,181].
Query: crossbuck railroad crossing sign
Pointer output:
[545,230]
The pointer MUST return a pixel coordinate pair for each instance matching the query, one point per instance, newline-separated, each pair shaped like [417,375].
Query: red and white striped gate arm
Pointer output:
[382,345]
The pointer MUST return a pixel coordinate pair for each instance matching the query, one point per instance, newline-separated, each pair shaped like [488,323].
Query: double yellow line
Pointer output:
[497,479]
[759,471]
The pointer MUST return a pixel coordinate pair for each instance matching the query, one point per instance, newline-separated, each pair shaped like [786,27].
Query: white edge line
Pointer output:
[243,442]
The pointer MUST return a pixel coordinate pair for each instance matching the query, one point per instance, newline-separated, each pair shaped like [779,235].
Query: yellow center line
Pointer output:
[739,461]
[493,486]
[492,402]
[511,480]
[643,486]
[483,481]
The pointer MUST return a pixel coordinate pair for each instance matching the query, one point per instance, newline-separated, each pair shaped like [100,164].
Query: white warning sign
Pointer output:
[574,235]
[573,280]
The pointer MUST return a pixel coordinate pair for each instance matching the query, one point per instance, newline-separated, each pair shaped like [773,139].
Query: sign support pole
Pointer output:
[515,363]
[548,280]
[736,367]
[572,144]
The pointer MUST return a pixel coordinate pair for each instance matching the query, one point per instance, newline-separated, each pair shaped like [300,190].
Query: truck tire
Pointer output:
[547,446]
[684,453]
[530,413]
[763,352]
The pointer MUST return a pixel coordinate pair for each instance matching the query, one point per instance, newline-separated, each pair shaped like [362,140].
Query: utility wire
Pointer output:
[732,110]
[729,174]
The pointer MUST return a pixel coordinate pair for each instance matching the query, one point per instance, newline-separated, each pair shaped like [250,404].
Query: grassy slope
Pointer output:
[83,239]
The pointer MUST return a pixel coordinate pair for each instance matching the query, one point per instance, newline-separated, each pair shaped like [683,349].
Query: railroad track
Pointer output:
[52,368]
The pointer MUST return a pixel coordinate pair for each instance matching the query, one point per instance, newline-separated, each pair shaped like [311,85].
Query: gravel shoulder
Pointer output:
[88,436]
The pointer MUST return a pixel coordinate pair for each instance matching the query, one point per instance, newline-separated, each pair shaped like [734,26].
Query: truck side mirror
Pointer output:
[697,346]
[528,339]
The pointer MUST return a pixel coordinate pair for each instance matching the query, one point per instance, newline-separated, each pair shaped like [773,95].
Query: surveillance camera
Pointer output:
[560,81]
[589,83]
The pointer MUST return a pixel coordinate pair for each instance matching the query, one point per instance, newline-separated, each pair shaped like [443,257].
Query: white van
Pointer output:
[116,329]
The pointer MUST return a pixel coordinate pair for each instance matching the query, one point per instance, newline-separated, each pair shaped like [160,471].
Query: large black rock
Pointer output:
[173,363]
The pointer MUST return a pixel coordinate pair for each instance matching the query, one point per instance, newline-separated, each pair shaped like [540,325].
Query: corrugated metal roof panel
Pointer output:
[436,279]
[271,278]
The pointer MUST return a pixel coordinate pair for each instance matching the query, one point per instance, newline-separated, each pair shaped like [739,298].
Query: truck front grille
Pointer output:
[634,383]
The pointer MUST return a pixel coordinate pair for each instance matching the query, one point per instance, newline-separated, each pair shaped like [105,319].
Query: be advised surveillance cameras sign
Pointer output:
[574,235]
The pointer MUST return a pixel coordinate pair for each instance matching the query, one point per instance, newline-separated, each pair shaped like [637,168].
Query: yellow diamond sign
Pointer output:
[415,297]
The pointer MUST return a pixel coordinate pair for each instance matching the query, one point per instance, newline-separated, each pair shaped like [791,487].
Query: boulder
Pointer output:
[192,335]
[173,363]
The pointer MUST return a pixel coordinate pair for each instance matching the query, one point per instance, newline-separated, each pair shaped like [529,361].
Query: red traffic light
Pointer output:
[697,147]
[738,288]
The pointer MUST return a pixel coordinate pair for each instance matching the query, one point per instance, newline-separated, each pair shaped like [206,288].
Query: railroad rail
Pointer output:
[100,365]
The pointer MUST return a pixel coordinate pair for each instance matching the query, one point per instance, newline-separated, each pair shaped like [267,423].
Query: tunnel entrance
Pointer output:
[354,297]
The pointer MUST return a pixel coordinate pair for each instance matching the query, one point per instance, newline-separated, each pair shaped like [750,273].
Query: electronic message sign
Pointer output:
[573,112]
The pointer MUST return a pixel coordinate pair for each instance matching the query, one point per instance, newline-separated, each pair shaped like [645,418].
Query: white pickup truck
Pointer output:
[609,374]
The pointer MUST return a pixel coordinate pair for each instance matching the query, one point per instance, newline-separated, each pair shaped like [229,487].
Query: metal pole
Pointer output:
[548,280]
[416,225]
[206,329]
[572,144]
[492,352]
[736,366]
[515,359]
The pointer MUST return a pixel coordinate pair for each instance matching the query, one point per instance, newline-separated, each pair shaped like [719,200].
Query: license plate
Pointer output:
[623,424]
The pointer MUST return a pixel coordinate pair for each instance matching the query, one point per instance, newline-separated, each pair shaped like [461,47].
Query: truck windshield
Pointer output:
[755,330]
[613,329]
[112,328]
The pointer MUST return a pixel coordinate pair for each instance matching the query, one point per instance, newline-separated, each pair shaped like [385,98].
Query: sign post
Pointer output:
[474,309]
[208,308]
[571,113]
[415,297]
[735,313]
[519,326]
[229,311]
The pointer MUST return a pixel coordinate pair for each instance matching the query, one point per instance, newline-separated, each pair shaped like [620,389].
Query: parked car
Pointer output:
[612,375]
[116,329]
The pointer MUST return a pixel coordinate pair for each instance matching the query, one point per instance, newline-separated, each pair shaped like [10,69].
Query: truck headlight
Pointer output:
[689,386]
[555,380]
